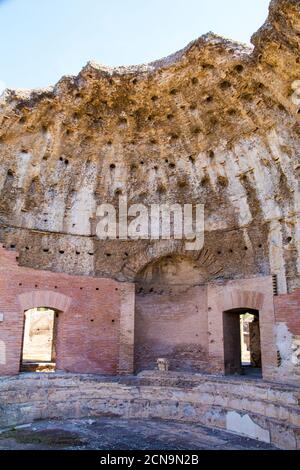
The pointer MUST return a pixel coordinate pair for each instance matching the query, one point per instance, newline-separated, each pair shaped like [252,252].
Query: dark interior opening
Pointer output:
[242,348]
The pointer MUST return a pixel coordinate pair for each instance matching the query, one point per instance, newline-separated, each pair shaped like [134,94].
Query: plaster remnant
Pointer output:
[243,424]
[2,352]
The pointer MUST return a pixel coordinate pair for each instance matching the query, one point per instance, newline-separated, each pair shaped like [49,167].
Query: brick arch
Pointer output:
[44,298]
[152,253]
[168,248]
[254,294]
[242,299]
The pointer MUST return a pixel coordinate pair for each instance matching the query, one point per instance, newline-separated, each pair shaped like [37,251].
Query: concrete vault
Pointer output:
[217,123]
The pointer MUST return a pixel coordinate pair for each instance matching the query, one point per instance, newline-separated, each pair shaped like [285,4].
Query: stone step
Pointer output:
[257,389]
[263,410]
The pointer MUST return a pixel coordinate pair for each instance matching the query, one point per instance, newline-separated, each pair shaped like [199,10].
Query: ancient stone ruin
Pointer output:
[216,123]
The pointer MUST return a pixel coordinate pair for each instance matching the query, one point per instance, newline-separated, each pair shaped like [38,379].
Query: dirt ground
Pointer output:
[122,434]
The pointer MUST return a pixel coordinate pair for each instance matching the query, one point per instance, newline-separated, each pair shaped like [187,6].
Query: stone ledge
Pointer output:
[29,397]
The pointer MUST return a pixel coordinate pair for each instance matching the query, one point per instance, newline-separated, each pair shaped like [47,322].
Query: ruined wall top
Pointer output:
[216,123]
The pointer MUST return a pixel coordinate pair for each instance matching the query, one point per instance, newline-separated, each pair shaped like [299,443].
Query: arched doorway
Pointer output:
[242,347]
[39,340]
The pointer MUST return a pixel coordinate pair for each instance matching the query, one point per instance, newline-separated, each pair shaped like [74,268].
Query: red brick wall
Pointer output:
[96,320]
[172,326]
[88,333]
[254,294]
[287,310]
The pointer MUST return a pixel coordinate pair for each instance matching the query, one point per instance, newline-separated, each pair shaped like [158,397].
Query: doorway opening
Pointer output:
[39,340]
[242,348]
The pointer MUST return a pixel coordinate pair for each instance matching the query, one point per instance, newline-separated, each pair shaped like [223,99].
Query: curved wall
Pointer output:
[94,331]
[215,123]
[264,411]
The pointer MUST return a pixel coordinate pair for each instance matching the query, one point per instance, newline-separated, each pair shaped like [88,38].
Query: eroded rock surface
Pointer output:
[216,123]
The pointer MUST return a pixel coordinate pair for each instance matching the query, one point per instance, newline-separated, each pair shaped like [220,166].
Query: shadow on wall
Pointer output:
[171,315]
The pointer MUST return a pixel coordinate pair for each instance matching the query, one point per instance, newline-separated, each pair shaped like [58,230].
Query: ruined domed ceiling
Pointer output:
[216,123]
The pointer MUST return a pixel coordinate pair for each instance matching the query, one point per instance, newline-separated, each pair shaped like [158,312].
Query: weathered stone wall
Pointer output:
[171,314]
[260,410]
[95,329]
[287,310]
[254,294]
[90,337]
[288,334]
[215,123]
[172,326]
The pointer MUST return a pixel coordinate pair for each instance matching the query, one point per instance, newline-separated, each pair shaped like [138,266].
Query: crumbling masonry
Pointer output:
[216,123]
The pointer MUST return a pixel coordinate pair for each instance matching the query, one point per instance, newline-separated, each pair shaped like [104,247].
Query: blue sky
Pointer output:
[41,40]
